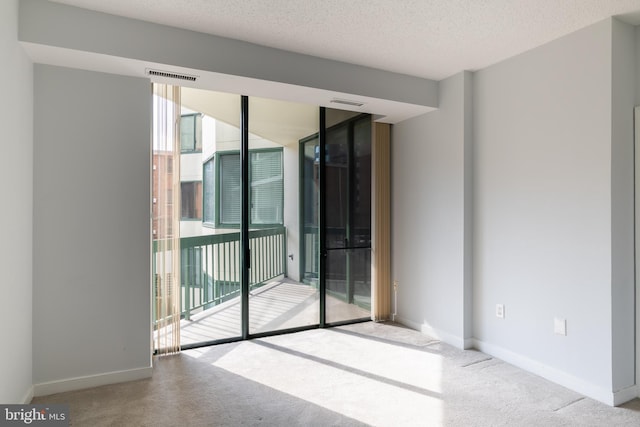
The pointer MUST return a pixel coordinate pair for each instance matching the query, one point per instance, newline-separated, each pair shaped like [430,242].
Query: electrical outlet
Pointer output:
[560,326]
[500,311]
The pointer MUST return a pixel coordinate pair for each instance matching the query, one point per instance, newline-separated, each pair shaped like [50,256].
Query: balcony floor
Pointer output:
[280,304]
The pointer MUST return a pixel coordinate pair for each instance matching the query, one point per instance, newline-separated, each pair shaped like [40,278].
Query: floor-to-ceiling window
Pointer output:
[252,199]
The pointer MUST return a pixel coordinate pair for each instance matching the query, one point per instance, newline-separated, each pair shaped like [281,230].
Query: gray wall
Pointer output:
[543,203]
[16,174]
[624,75]
[552,196]
[430,239]
[637,56]
[91,304]
[553,206]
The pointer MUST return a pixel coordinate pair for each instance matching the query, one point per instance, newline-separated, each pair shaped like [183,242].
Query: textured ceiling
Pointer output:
[426,38]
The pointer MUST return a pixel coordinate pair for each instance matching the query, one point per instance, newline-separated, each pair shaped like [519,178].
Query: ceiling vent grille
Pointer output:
[171,75]
[347,102]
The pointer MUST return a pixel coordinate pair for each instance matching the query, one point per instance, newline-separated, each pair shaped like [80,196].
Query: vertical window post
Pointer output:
[244,223]
[322,219]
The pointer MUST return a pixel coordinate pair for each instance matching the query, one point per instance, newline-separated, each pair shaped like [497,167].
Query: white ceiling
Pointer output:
[425,38]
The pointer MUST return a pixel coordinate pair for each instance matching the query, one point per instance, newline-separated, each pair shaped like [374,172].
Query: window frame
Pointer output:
[197,133]
[218,188]
[217,173]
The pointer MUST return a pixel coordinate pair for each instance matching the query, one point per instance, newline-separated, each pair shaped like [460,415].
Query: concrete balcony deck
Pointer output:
[280,304]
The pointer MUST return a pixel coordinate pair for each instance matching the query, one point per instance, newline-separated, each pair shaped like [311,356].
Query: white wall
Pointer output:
[16,174]
[552,209]
[430,239]
[291,163]
[624,75]
[91,303]
[208,137]
[191,167]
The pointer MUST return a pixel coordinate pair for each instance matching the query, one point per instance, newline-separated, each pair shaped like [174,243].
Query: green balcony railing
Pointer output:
[210,267]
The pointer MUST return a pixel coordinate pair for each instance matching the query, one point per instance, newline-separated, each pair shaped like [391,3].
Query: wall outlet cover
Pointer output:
[560,326]
[500,311]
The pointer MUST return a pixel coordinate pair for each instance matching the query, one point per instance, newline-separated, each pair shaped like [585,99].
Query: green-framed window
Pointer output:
[222,188]
[191,133]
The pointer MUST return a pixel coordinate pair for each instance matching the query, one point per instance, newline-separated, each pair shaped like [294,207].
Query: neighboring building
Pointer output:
[210,178]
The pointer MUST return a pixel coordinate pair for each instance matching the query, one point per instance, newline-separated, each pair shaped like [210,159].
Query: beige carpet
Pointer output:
[364,374]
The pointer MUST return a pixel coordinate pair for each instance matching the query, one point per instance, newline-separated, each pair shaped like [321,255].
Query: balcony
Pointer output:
[210,288]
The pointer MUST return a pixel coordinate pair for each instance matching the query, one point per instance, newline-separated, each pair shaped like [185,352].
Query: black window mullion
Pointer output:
[350,185]
[322,218]
[244,222]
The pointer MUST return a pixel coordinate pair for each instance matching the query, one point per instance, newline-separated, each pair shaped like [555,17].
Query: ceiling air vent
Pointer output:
[347,102]
[171,75]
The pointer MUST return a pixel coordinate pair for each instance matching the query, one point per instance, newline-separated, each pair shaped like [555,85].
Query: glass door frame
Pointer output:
[322,217]
[349,244]
[245,206]
[322,214]
[245,254]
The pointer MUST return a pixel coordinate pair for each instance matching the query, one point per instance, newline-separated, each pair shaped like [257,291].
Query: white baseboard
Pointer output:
[439,334]
[552,374]
[625,395]
[78,383]
[557,376]
[28,396]
[469,343]
[407,322]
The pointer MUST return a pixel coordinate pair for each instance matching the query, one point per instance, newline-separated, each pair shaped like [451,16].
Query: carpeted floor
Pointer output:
[364,374]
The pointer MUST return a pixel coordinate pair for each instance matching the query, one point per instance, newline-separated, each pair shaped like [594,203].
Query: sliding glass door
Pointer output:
[274,216]
[279,298]
[347,225]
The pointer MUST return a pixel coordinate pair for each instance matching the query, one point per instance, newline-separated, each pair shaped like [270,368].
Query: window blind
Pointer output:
[209,199]
[230,189]
[267,194]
